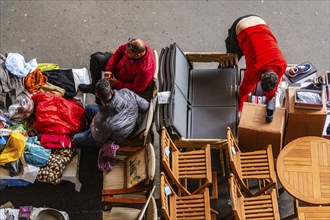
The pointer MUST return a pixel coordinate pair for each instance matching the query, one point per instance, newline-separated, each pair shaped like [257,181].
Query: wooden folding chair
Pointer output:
[115,189]
[186,166]
[263,207]
[256,165]
[183,207]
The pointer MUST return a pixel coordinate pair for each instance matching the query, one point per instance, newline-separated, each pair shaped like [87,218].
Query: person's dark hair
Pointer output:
[268,81]
[136,45]
[103,90]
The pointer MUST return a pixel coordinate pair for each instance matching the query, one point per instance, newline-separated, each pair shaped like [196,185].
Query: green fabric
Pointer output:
[48,66]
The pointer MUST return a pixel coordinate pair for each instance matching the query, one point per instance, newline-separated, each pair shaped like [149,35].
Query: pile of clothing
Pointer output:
[40,112]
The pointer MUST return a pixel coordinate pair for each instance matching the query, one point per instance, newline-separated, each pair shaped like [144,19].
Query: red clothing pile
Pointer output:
[262,53]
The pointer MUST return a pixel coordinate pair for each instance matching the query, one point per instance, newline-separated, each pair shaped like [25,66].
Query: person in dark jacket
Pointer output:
[114,120]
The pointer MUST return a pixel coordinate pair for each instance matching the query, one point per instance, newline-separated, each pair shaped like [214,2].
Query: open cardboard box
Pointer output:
[253,131]
[303,122]
[315,97]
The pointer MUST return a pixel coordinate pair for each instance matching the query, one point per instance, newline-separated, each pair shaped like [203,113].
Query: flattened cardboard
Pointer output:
[303,122]
[253,131]
[136,168]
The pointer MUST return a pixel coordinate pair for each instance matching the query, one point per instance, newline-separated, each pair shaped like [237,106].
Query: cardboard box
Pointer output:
[303,122]
[316,94]
[253,131]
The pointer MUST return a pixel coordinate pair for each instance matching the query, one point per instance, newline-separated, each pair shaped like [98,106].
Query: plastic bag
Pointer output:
[21,111]
[14,167]
[309,97]
[36,155]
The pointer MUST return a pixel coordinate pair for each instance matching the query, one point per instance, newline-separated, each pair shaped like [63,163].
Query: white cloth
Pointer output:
[80,76]
[15,63]
[29,174]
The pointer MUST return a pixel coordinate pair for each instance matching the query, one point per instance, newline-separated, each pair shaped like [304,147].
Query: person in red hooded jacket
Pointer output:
[132,66]
[251,37]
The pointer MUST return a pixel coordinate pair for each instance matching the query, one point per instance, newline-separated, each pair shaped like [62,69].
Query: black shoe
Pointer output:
[86,88]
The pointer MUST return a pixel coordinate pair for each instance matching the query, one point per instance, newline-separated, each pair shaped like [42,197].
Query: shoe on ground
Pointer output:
[86,88]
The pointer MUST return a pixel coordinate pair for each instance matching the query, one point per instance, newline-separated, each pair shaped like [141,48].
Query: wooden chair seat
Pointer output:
[247,166]
[147,211]
[120,213]
[255,165]
[183,207]
[186,166]
[114,183]
[115,179]
[218,144]
[263,207]
[312,212]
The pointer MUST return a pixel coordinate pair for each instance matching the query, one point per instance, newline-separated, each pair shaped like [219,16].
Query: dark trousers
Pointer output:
[84,139]
[232,45]
[98,62]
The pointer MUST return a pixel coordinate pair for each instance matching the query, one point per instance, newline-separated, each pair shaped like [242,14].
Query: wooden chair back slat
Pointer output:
[183,207]
[184,166]
[257,207]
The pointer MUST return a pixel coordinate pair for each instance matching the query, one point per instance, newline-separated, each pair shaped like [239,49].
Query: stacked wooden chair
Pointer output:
[183,167]
[252,166]
[263,207]
[190,174]
[217,144]
[176,207]
[247,167]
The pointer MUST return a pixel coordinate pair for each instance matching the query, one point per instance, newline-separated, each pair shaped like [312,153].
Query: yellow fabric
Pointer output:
[14,148]
[48,66]
[48,87]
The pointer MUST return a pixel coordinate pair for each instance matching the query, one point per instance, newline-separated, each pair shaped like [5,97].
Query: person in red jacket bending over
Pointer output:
[251,37]
[132,66]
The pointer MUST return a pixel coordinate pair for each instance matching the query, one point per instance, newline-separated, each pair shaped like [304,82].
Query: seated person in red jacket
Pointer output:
[251,37]
[132,66]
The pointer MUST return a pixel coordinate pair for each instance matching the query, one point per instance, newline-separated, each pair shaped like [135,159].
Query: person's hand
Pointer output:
[108,75]
[113,81]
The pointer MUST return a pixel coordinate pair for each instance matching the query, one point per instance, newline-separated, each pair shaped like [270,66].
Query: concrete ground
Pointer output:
[67,32]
